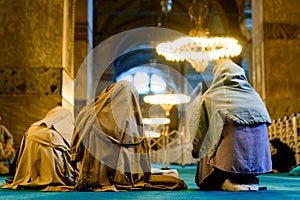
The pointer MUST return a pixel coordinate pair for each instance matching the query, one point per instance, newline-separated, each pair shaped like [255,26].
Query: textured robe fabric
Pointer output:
[243,150]
[230,97]
[44,156]
[109,141]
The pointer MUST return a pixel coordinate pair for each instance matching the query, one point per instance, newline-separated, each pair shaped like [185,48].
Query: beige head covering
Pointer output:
[61,119]
[110,128]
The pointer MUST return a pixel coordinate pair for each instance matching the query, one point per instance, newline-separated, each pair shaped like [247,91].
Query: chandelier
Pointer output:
[167,101]
[199,48]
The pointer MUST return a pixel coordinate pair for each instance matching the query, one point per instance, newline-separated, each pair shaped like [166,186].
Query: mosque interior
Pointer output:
[47,47]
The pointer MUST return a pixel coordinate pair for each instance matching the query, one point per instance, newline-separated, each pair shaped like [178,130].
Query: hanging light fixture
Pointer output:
[199,48]
[166,5]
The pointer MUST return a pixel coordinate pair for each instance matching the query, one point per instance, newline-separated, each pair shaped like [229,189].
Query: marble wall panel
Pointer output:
[276,47]
[282,76]
[281,11]
[282,107]
[276,19]
[31,33]
[26,94]
[37,45]
[19,112]
[276,61]
[282,31]
[282,68]
[30,81]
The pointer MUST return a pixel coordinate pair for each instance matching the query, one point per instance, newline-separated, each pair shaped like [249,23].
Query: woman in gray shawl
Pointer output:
[231,137]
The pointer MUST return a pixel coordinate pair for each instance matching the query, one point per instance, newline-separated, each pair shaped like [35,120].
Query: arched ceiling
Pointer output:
[114,16]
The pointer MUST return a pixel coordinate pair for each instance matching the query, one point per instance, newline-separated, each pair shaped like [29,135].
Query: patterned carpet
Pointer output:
[279,186]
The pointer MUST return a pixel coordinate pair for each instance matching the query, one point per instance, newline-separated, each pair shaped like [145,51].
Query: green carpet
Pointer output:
[279,186]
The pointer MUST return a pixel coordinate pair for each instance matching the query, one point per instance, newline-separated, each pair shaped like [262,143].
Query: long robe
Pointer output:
[44,156]
[230,98]
[109,142]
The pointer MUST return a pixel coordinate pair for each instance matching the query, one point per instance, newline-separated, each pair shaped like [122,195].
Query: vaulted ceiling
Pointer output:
[114,16]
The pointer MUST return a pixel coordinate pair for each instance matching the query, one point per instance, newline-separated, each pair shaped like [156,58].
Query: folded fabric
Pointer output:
[156,182]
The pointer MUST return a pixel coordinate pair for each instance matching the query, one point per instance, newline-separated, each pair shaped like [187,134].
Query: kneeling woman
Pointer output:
[110,146]
[231,136]
[44,156]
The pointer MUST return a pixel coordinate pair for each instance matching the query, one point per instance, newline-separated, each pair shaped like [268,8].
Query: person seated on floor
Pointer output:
[44,156]
[110,146]
[283,157]
[230,122]
[7,151]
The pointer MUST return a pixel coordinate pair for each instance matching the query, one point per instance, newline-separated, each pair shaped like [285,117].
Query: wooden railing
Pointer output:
[287,129]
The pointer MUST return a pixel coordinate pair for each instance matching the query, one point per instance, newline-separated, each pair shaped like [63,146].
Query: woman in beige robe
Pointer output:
[109,141]
[44,156]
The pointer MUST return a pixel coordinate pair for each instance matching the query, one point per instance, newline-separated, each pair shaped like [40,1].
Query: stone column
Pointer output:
[36,68]
[83,45]
[276,54]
